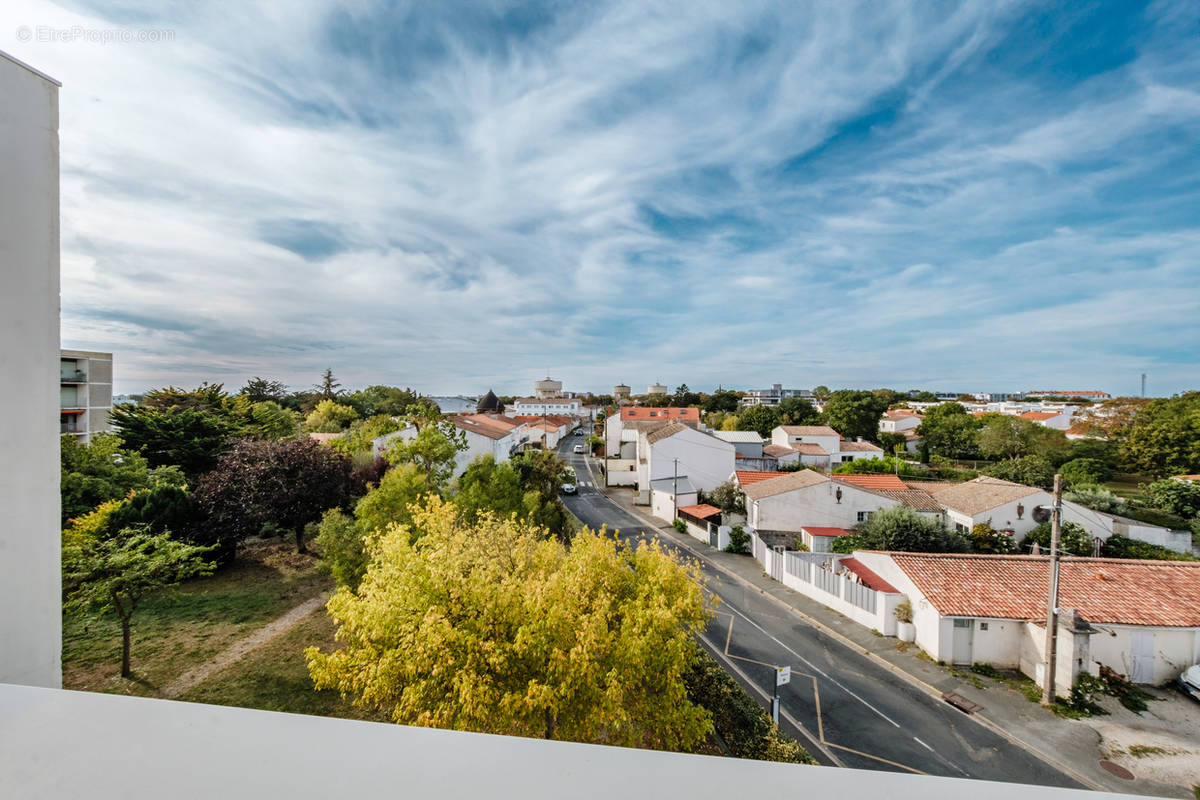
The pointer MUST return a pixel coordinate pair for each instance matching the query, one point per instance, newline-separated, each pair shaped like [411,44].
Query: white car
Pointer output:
[1189,681]
[578,448]
[568,488]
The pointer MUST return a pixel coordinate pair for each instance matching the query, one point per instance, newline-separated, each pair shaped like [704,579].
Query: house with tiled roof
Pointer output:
[494,435]
[782,506]
[1059,419]
[1140,618]
[817,446]
[673,450]
[899,420]
[1004,505]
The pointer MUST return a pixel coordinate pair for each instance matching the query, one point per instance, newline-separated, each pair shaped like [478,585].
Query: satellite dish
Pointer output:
[1041,514]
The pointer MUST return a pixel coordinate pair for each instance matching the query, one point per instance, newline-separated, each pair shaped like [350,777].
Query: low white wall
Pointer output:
[621,471]
[1071,656]
[1175,649]
[786,568]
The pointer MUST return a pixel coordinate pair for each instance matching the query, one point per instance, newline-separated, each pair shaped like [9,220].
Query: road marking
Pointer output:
[927,747]
[877,758]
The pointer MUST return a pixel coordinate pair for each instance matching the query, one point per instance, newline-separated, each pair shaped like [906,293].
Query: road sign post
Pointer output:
[782,676]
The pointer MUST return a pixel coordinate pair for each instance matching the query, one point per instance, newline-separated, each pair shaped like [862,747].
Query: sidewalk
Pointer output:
[1069,745]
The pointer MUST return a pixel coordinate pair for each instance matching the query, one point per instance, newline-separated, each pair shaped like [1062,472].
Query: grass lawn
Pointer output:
[182,628]
[275,677]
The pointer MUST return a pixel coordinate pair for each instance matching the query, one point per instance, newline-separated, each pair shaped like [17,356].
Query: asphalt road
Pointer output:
[844,707]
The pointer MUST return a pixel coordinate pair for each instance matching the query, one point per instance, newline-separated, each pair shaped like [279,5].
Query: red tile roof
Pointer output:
[867,577]
[778,450]
[1104,590]
[859,447]
[814,531]
[746,477]
[809,430]
[874,481]
[646,412]
[903,412]
[1040,416]
[702,511]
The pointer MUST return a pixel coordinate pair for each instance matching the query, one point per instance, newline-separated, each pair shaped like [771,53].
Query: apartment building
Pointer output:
[773,396]
[85,395]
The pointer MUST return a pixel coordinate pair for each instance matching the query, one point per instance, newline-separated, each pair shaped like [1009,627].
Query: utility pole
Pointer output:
[1052,595]
[1143,384]
[675,491]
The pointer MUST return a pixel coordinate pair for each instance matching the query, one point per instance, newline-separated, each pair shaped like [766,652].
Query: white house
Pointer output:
[817,446]
[1059,419]
[486,436]
[747,444]
[674,449]
[1101,525]
[380,444]
[820,540]
[772,396]
[1006,506]
[899,420]
[806,498]
[1137,617]
[536,406]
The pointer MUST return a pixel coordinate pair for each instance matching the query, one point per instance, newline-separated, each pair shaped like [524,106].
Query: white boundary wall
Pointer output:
[30,575]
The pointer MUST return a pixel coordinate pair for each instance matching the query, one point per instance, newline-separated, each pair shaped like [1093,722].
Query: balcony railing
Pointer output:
[78,376]
[68,427]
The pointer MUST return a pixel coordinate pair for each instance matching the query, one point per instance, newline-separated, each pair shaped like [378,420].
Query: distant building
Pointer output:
[1089,394]
[536,406]
[85,393]
[547,389]
[621,392]
[489,404]
[773,396]
[656,388]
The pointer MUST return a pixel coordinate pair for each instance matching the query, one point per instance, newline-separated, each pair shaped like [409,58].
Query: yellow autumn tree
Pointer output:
[492,627]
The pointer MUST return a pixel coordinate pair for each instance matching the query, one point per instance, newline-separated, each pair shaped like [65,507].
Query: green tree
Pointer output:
[490,627]
[191,438]
[159,509]
[364,432]
[389,401]
[115,574]
[329,417]
[721,400]
[1118,546]
[401,488]
[685,397]
[948,430]
[1073,539]
[1085,471]
[1164,436]
[876,466]
[98,471]
[434,449]
[328,388]
[891,442]
[854,414]
[262,390]
[760,419]
[486,486]
[1004,436]
[269,420]
[797,411]
[341,542]
[1027,470]
[1174,497]
[821,393]
[901,528]
[728,497]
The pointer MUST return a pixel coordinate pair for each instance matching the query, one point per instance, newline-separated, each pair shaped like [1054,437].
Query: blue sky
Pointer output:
[457,196]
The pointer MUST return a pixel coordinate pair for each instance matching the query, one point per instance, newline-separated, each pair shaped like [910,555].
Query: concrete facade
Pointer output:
[30,572]
[85,393]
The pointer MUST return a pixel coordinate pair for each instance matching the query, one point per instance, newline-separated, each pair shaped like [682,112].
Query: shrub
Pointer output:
[1074,539]
[679,525]
[986,539]
[877,466]
[1081,471]
[1118,546]
[1097,498]
[739,540]
[903,612]
[1027,470]
[740,722]
[902,528]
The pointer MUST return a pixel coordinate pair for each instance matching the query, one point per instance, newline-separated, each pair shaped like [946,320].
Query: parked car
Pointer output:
[1189,682]
[579,431]
[568,488]
[578,448]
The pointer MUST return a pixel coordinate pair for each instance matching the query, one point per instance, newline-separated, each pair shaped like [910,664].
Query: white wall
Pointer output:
[1175,649]
[705,460]
[815,506]
[1005,517]
[663,507]
[30,582]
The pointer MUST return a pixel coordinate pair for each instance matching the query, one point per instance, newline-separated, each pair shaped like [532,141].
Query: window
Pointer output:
[846,459]
[863,516]
[958,526]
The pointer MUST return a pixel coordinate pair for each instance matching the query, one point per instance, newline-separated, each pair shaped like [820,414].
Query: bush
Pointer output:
[1026,470]
[880,466]
[1081,471]
[1174,497]
[986,539]
[740,722]
[1097,498]
[679,525]
[903,612]
[1118,546]
[739,541]
[902,528]
[1074,539]
[340,540]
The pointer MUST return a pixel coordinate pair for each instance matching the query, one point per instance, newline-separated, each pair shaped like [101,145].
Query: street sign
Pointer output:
[782,675]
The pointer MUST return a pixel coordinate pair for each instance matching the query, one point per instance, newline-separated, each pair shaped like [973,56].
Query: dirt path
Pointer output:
[239,649]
